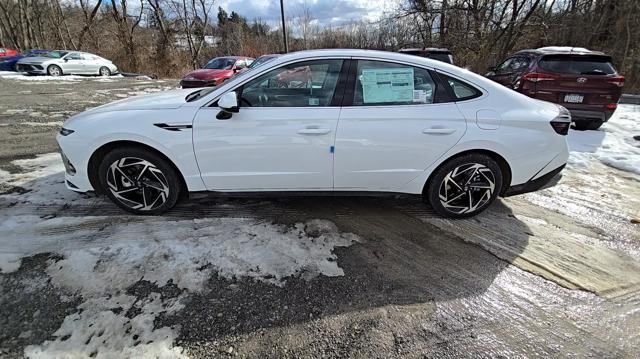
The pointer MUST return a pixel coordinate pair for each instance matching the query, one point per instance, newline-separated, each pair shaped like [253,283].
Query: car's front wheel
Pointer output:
[54,70]
[104,71]
[139,181]
[464,186]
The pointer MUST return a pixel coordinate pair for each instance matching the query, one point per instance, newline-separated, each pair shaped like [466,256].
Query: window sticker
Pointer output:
[420,96]
[387,85]
[314,101]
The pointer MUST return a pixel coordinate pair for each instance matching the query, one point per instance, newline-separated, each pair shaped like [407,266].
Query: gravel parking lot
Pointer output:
[549,274]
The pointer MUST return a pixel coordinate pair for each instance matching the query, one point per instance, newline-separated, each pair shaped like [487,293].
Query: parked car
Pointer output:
[583,81]
[64,62]
[369,121]
[7,52]
[443,55]
[8,63]
[216,71]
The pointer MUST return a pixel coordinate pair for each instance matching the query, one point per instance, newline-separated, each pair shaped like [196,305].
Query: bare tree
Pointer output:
[126,26]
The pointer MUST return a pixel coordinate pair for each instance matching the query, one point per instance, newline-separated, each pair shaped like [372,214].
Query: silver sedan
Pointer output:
[63,62]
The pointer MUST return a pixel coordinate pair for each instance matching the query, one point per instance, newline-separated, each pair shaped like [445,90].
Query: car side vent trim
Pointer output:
[170,127]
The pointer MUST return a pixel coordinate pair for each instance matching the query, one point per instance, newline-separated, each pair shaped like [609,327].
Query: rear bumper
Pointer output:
[587,115]
[545,181]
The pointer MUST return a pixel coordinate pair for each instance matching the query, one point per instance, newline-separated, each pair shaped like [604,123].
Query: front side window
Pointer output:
[74,56]
[505,66]
[387,83]
[303,84]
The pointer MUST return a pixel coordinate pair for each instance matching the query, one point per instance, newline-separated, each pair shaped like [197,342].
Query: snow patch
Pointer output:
[613,144]
[103,256]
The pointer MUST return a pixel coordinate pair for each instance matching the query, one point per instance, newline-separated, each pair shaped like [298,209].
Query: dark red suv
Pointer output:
[583,81]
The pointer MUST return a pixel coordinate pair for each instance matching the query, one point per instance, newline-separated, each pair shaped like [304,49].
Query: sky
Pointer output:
[325,12]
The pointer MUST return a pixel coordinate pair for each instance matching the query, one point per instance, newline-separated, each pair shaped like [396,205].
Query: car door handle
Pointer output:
[438,131]
[314,131]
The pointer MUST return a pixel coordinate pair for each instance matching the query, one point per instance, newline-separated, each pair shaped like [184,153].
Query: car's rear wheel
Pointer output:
[139,181]
[588,125]
[464,186]
[104,71]
[54,70]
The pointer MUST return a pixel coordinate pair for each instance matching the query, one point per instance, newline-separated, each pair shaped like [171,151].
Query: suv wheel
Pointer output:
[464,186]
[139,181]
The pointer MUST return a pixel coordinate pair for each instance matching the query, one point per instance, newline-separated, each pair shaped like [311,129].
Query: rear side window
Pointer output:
[387,83]
[460,90]
[578,65]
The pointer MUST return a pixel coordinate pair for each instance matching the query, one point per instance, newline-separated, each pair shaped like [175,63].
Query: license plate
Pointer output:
[573,98]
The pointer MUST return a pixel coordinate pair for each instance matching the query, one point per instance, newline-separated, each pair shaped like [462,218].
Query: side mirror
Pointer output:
[228,104]
[66,59]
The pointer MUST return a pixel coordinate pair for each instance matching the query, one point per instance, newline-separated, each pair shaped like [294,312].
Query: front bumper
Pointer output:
[545,181]
[197,83]
[31,69]
[75,163]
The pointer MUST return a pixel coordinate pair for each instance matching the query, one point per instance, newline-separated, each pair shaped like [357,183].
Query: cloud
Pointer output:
[334,13]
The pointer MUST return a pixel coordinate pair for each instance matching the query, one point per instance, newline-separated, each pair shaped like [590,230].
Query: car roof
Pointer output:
[232,57]
[561,50]
[427,49]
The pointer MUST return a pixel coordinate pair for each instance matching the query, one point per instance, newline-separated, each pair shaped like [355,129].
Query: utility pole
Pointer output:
[284,28]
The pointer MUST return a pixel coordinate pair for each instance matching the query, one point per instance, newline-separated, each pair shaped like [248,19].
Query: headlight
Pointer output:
[66,131]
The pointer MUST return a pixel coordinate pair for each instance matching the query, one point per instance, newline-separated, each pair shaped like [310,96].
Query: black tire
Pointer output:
[472,175]
[139,181]
[588,125]
[104,71]
[54,70]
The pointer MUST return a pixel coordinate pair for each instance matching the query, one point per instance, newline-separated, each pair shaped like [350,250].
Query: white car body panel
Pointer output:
[266,148]
[368,148]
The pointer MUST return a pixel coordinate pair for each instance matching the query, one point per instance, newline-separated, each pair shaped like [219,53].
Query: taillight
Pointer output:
[612,106]
[618,81]
[539,76]
[561,127]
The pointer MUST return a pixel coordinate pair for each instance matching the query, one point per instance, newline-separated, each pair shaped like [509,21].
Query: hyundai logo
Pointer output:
[581,80]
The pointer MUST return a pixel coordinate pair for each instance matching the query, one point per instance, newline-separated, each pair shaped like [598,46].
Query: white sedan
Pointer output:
[64,62]
[322,121]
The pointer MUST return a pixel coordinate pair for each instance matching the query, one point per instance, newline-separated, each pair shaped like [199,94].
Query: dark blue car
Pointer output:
[9,63]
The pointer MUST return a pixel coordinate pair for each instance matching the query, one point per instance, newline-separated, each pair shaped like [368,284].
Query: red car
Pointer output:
[7,52]
[583,81]
[215,71]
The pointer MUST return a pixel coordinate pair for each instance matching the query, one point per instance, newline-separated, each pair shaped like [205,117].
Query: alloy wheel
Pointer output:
[137,183]
[467,188]
[54,71]
[104,71]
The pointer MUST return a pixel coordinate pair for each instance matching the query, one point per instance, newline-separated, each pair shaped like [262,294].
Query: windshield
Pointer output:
[220,63]
[261,60]
[198,94]
[578,65]
[55,54]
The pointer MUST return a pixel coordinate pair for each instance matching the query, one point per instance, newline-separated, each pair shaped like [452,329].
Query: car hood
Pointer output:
[206,74]
[157,101]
